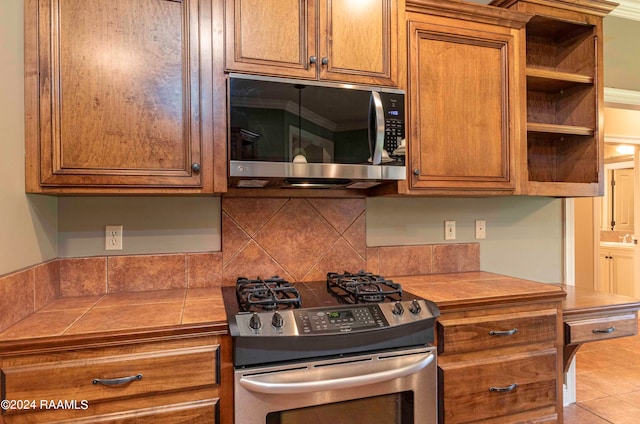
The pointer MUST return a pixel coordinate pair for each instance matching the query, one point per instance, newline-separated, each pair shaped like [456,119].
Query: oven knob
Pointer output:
[277,320]
[398,309]
[415,307]
[254,322]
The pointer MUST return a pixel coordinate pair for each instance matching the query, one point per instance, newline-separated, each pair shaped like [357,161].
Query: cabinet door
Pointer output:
[124,93]
[604,285]
[275,37]
[463,114]
[623,199]
[622,273]
[358,41]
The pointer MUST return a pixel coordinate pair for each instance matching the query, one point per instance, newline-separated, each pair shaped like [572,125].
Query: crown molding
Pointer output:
[621,139]
[622,97]
[628,9]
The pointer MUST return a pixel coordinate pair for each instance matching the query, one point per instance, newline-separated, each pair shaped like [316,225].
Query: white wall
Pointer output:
[27,222]
[524,234]
[150,224]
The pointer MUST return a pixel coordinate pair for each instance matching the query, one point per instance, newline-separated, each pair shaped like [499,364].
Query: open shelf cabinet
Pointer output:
[564,94]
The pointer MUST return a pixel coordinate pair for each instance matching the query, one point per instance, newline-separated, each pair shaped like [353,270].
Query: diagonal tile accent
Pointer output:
[340,213]
[233,238]
[341,257]
[296,237]
[251,214]
[252,262]
[356,235]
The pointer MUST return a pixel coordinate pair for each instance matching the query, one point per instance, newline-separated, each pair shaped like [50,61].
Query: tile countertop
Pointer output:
[119,312]
[138,312]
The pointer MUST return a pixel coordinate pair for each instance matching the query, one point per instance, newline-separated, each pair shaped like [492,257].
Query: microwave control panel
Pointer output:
[393,105]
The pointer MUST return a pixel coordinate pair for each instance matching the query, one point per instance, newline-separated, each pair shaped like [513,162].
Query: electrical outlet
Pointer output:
[449,230]
[113,237]
[481,229]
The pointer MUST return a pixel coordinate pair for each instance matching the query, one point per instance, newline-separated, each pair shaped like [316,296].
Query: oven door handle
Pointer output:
[340,376]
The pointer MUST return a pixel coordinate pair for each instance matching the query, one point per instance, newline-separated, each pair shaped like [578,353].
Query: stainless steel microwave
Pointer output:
[295,133]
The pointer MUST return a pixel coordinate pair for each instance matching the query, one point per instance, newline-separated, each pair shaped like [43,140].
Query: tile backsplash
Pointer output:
[299,239]
[303,239]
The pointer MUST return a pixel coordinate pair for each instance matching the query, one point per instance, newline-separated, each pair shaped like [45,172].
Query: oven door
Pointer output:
[393,387]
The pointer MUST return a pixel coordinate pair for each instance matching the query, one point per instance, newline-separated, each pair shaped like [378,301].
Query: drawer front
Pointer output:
[602,328]
[490,387]
[103,378]
[496,331]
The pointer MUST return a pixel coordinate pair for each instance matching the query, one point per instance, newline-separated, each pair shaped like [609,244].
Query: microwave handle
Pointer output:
[376,127]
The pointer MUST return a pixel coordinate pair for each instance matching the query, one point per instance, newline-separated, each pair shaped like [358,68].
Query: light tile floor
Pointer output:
[608,383]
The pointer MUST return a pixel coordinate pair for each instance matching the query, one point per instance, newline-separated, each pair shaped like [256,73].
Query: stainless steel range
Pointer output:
[353,349]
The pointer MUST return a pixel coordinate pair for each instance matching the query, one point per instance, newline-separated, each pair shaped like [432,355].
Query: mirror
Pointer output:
[617,204]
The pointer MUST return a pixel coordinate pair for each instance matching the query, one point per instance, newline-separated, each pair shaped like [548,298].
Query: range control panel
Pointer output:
[332,320]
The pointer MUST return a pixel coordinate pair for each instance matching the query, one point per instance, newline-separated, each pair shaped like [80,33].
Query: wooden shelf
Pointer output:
[559,129]
[554,81]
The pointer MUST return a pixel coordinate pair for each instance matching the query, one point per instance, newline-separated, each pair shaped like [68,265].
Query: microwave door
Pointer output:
[376,128]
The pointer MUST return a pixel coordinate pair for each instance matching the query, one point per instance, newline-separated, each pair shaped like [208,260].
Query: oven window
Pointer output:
[396,408]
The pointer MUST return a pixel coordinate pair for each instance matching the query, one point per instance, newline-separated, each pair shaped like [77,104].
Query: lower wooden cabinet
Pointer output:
[501,364]
[616,270]
[168,381]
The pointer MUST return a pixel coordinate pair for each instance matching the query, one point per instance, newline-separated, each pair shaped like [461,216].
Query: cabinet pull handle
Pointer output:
[503,333]
[416,172]
[509,388]
[313,59]
[195,167]
[608,330]
[325,61]
[117,381]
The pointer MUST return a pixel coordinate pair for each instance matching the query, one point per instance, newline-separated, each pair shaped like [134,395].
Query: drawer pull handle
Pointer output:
[510,388]
[608,330]
[117,381]
[503,333]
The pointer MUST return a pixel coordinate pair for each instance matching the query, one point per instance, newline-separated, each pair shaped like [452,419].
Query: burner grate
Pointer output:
[363,287]
[269,294]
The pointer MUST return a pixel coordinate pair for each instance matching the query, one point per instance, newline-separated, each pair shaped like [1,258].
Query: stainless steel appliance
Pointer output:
[291,133]
[354,349]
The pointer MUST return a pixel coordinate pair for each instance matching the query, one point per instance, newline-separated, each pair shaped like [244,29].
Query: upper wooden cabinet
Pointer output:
[564,96]
[337,40]
[464,84]
[120,96]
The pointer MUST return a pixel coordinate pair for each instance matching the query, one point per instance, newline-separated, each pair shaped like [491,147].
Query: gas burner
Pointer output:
[269,294]
[363,287]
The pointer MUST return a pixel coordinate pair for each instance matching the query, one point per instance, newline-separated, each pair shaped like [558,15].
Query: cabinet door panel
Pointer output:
[121,92]
[604,284]
[271,37]
[358,40]
[622,273]
[461,136]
